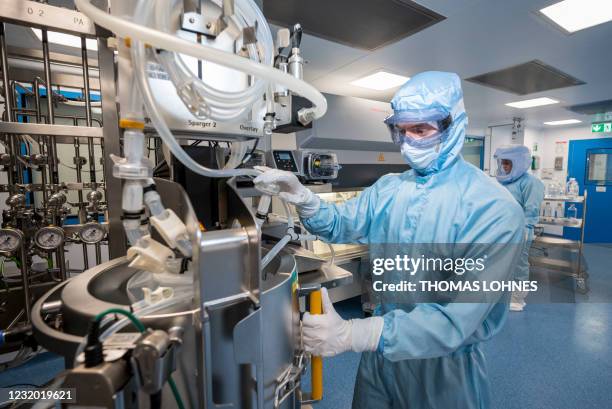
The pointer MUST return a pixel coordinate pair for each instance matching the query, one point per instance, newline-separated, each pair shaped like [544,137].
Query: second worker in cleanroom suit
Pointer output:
[513,162]
[425,355]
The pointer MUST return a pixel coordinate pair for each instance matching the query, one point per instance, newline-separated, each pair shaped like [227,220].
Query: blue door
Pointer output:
[590,162]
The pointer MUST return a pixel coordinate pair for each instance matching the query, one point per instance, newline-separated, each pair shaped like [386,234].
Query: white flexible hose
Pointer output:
[239,150]
[274,251]
[164,132]
[138,54]
[128,29]
[332,259]
[202,98]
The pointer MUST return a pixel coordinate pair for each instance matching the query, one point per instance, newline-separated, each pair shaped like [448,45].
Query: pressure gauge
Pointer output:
[92,233]
[49,238]
[10,240]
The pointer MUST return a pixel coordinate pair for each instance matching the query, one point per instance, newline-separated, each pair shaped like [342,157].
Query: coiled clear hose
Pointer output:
[139,61]
[204,100]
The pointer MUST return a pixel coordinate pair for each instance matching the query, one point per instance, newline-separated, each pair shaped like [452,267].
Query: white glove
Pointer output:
[287,186]
[329,335]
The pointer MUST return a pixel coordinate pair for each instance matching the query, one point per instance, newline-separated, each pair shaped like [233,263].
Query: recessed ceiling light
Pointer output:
[66,39]
[576,15]
[381,81]
[563,122]
[529,103]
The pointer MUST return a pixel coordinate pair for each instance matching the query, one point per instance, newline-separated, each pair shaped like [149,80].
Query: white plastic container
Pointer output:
[548,210]
[559,211]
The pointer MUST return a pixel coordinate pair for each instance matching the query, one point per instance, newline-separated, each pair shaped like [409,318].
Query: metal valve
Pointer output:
[5,159]
[57,200]
[16,201]
[94,196]
[153,360]
[79,161]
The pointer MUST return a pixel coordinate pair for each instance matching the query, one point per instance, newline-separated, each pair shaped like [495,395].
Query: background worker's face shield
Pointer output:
[512,162]
[416,132]
[505,165]
[504,170]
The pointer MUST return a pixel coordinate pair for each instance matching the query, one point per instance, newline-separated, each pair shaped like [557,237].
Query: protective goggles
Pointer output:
[417,133]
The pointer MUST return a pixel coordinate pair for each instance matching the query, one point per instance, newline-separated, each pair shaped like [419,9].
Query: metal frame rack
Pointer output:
[38,211]
[577,267]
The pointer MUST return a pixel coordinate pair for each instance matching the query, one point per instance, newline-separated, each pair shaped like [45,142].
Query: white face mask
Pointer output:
[420,158]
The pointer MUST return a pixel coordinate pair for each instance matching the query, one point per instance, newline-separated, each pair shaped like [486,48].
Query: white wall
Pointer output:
[547,143]
[502,135]
[554,142]
[495,138]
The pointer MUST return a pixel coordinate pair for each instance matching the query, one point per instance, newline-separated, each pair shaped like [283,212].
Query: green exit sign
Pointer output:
[601,127]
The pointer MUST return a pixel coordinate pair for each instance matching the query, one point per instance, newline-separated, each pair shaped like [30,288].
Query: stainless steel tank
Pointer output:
[241,330]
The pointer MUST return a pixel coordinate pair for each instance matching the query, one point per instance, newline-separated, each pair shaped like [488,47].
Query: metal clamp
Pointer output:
[153,360]
[289,381]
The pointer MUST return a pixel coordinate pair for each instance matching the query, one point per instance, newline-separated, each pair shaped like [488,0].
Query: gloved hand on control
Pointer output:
[287,186]
[328,334]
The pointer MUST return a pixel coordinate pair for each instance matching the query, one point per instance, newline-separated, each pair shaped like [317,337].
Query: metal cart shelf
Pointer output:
[575,265]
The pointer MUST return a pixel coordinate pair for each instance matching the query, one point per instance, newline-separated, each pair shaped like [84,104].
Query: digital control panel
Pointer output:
[284,160]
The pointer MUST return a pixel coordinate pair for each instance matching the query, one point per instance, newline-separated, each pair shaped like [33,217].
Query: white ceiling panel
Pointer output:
[478,37]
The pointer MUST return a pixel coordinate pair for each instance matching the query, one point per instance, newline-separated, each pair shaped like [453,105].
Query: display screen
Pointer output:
[284,160]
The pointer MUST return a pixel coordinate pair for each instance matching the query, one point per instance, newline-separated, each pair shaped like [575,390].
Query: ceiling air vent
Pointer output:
[364,24]
[592,108]
[527,78]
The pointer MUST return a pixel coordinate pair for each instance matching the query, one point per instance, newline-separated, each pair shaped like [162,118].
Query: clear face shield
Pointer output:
[417,133]
[504,166]
[504,170]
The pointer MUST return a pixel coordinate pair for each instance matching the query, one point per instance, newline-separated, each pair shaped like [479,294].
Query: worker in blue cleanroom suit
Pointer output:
[513,162]
[417,355]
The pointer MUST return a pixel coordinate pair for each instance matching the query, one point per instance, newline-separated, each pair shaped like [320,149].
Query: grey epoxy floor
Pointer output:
[555,355]
[552,355]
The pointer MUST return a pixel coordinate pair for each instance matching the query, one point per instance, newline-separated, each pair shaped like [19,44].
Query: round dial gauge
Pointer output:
[10,240]
[49,238]
[92,233]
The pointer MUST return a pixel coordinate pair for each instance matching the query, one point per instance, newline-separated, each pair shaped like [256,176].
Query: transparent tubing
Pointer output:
[153,201]
[132,231]
[124,28]
[132,201]
[282,242]
[332,260]
[245,10]
[274,251]
[128,29]
[151,309]
[134,107]
[139,62]
[239,150]
[220,104]
[165,134]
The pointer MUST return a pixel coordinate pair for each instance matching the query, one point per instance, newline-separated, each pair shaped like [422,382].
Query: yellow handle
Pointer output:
[316,373]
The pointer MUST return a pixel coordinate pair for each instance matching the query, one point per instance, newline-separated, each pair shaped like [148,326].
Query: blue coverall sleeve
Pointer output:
[533,194]
[433,330]
[348,222]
